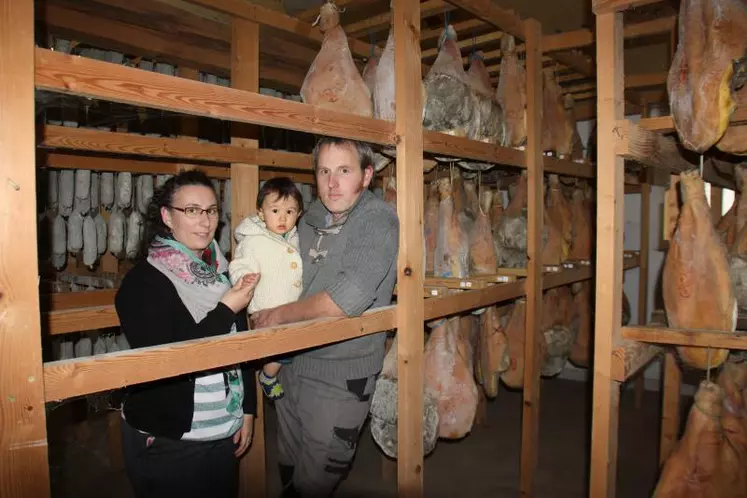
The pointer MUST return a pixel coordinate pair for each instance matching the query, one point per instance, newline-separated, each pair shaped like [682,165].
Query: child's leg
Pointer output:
[272,369]
[269,382]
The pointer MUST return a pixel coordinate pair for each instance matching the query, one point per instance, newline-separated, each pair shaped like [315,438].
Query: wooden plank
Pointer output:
[533,285]
[283,22]
[65,137]
[687,337]
[665,124]
[73,161]
[73,320]
[610,224]
[459,27]
[504,19]
[24,464]
[128,38]
[467,43]
[383,21]
[189,126]
[645,79]
[311,13]
[68,378]
[94,79]
[59,301]
[410,270]
[649,148]
[630,357]
[584,37]
[670,406]
[469,300]
[612,6]
[244,189]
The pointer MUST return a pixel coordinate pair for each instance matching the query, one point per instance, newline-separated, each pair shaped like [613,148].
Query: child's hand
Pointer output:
[238,297]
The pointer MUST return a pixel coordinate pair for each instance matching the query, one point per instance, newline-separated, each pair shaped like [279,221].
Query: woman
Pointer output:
[183,436]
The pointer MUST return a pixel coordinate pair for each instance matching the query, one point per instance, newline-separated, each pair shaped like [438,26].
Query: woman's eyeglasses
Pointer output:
[196,212]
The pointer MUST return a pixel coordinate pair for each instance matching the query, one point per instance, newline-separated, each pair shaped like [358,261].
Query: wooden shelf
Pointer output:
[68,378]
[684,337]
[653,149]
[629,357]
[79,319]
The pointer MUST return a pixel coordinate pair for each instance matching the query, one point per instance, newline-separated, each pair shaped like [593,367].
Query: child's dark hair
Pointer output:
[163,196]
[283,187]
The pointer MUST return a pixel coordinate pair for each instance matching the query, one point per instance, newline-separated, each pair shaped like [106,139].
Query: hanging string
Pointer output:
[708,371]
[447,17]
[701,168]
[372,42]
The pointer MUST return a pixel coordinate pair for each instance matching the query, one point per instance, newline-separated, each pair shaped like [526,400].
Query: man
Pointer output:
[349,240]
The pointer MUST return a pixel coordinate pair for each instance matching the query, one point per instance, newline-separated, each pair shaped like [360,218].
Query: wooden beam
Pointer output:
[503,19]
[24,463]
[244,189]
[383,21]
[532,357]
[128,38]
[649,148]
[65,137]
[94,79]
[283,22]
[630,357]
[410,270]
[58,160]
[469,300]
[68,378]
[645,79]
[585,37]
[665,124]
[310,14]
[611,6]
[460,27]
[684,337]
[610,223]
[467,43]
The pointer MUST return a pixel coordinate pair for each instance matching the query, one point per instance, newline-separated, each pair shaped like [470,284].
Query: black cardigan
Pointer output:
[151,313]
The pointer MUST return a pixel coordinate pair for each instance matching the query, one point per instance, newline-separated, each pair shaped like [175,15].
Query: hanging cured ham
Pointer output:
[513,376]
[569,138]
[430,226]
[732,467]
[390,191]
[333,81]
[493,347]
[449,105]
[583,307]
[727,225]
[449,368]
[384,415]
[582,220]
[496,209]
[511,231]
[451,256]
[483,260]
[734,140]
[553,246]
[490,115]
[553,114]
[712,34]
[691,470]
[697,288]
[383,90]
[558,333]
[511,94]
[560,214]
[369,74]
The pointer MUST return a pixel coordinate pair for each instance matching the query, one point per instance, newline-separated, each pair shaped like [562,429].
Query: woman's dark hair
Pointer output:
[163,196]
[283,187]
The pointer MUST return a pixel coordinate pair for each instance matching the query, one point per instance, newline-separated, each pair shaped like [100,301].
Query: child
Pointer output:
[268,245]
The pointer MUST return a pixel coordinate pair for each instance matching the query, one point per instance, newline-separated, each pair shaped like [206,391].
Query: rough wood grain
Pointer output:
[503,19]
[533,286]
[684,337]
[64,137]
[68,378]
[24,465]
[650,148]
[68,321]
[612,6]
[630,357]
[410,270]
[90,78]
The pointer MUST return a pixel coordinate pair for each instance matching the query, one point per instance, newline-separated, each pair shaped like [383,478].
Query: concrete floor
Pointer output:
[485,463]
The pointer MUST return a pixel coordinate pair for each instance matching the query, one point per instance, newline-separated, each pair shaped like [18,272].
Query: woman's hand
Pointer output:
[243,436]
[238,297]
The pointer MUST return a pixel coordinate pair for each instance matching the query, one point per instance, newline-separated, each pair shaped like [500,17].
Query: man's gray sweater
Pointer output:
[355,262]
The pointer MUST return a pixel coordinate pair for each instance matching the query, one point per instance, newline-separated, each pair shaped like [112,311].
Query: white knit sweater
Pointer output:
[275,258]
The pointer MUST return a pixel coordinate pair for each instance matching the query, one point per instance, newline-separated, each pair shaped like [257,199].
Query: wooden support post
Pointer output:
[532,359]
[609,264]
[244,189]
[717,201]
[410,306]
[670,405]
[24,464]
[643,277]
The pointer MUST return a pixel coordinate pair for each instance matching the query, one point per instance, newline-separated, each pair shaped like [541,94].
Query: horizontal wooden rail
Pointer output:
[64,137]
[685,337]
[67,378]
[60,301]
[90,78]
[650,148]
[630,357]
[665,124]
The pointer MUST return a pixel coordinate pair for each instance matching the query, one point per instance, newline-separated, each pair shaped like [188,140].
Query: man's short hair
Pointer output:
[365,152]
